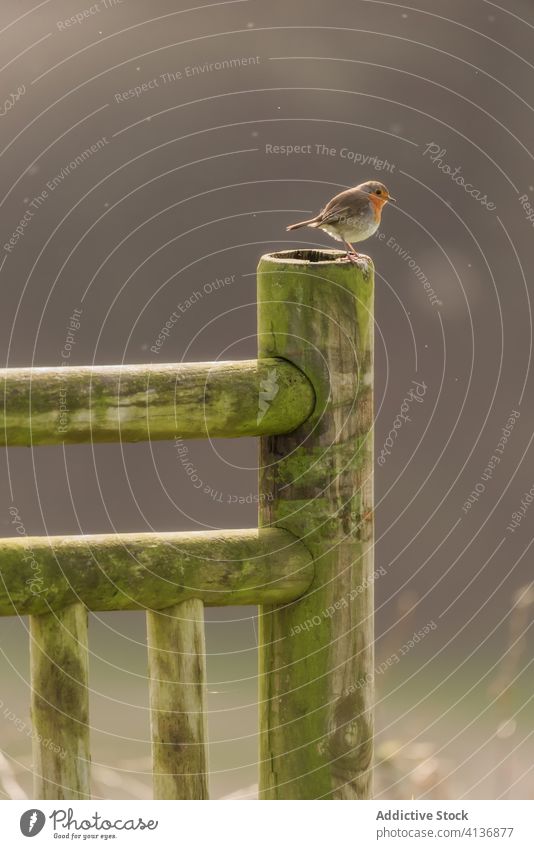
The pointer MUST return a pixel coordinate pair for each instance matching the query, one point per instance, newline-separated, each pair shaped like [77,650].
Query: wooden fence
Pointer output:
[309,564]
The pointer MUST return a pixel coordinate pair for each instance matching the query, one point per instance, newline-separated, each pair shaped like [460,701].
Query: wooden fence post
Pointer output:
[178,712]
[60,704]
[315,309]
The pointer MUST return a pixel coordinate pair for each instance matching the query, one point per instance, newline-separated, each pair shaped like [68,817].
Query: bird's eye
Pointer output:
[378,191]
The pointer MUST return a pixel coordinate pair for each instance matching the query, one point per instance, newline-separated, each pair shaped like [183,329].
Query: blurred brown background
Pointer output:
[182,190]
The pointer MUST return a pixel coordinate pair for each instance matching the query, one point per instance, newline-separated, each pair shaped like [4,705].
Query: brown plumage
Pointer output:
[352,215]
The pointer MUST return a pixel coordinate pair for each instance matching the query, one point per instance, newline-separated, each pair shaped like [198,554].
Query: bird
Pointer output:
[352,215]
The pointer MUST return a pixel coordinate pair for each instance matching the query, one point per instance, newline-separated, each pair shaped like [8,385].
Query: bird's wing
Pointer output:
[340,205]
[330,216]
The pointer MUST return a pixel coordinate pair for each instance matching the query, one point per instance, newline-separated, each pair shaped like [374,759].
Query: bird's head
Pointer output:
[378,191]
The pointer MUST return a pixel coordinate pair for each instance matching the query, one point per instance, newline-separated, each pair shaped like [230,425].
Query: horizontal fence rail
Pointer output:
[152,571]
[132,403]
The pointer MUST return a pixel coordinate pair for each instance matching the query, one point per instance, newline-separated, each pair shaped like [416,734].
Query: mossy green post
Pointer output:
[60,704]
[315,309]
[178,711]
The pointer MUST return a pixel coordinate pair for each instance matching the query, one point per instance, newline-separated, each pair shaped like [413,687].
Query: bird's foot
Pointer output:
[360,260]
[352,254]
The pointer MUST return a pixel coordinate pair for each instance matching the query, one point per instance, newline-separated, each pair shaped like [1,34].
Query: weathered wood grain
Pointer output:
[315,309]
[178,712]
[151,571]
[60,704]
[132,403]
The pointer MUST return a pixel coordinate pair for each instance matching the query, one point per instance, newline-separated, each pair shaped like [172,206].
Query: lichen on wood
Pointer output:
[60,704]
[132,403]
[315,309]
[151,570]
[178,711]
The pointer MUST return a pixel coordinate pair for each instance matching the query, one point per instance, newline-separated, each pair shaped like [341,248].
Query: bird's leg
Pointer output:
[352,254]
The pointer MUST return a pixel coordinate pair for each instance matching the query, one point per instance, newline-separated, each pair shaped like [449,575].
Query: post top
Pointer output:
[309,259]
[305,256]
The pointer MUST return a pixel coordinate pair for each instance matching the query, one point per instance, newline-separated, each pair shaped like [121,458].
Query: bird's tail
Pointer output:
[311,222]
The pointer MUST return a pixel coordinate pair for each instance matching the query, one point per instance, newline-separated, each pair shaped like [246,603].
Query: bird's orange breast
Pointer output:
[376,204]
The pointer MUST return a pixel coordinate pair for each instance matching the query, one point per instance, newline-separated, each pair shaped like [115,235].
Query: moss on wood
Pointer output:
[60,704]
[178,711]
[132,403]
[151,571]
[316,658]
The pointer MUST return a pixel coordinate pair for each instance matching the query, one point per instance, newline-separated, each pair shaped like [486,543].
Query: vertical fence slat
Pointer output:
[60,704]
[316,656]
[178,717]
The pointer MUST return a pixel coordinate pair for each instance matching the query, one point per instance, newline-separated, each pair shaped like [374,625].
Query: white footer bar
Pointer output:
[270,825]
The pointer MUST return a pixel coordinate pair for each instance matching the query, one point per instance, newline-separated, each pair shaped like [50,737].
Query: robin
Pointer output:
[351,216]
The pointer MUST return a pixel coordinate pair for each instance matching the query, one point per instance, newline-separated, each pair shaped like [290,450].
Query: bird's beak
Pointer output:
[393,200]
